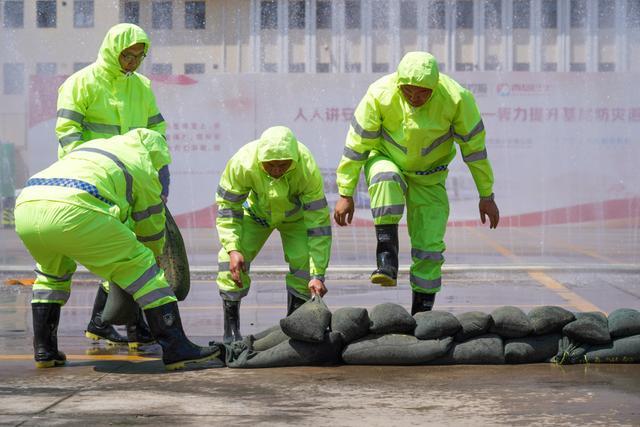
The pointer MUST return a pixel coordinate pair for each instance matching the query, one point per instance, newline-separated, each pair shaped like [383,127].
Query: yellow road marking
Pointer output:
[108,357]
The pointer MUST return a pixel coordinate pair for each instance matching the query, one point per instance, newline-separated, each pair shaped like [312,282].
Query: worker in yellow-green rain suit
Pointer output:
[100,206]
[271,184]
[403,132]
[104,99]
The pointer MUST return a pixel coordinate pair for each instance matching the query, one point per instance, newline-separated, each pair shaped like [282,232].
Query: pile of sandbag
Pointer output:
[389,335]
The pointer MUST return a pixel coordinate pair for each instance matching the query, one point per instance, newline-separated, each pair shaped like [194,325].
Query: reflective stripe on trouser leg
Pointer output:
[253,238]
[427,215]
[387,188]
[296,253]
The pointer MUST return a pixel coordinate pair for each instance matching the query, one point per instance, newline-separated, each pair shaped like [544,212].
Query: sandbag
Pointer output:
[510,322]
[569,352]
[624,322]
[265,342]
[473,324]
[288,353]
[435,324]
[394,349]
[351,323]
[174,259]
[390,318]
[588,328]
[120,307]
[309,322]
[621,350]
[486,349]
[532,349]
[548,319]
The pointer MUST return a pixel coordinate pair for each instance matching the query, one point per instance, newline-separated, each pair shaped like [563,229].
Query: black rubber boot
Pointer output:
[45,335]
[97,329]
[293,303]
[177,350]
[138,333]
[231,321]
[386,255]
[422,302]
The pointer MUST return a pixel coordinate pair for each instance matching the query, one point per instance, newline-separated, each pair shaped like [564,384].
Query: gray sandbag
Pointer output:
[486,349]
[548,319]
[621,350]
[624,322]
[510,322]
[309,322]
[259,335]
[588,328]
[275,336]
[351,323]
[288,353]
[174,259]
[120,307]
[435,324]
[390,318]
[532,349]
[570,352]
[394,349]
[473,324]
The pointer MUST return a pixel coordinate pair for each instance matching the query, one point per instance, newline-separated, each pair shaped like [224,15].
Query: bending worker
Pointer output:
[104,99]
[95,207]
[271,183]
[402,133]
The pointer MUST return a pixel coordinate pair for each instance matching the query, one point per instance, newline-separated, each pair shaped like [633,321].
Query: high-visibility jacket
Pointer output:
[418,139]
[101,101]
[297,195]
[116,176]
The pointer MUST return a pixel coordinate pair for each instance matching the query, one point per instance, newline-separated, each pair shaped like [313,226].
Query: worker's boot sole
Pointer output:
[50,363]
[183,364]
[96,338]
[383,280]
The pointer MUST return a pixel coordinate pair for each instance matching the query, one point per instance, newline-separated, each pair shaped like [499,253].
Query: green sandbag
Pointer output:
[621,350]
[532,349]
[435,324]
[482,350]
[270,340]
[510,322]
[174,259]
[351,323]
[548,319]
[288,353]
[473,324]
[624,322]
[259,335]
[309,322]
[390,318]
[569,352]
[120,308]
[394,349]
[588,328]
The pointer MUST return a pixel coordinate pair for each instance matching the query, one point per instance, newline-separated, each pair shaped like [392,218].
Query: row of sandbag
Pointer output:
[389,335]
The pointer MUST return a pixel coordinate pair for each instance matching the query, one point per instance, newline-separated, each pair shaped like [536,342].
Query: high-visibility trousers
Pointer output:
[58,235]
[390,190]
[254,235]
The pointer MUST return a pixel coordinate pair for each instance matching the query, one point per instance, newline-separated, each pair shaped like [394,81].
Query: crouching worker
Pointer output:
[271,183]
[100,206]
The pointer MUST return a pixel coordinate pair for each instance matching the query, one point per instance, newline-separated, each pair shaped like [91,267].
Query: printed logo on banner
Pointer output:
[522,89]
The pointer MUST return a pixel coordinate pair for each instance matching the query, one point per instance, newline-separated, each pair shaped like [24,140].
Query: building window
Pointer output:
[161,69]
[549,66]
[380,67]
[605,67]
[578,13]
[46,13]
[322,67]
[464,66]
[492,63]
[13,79]
[131,12]
[408,14]
[269,67]
[493,14]
[464,14]
[323,15]
[77,66]
[354,67]
[46,68]
[83,13]
[194,15]
[606,13]
[194,68]
[436,15]
[577,66]
[268,15]
[549,18]
[633,13]
[297,67]
[521,14]
[520,66]
[352,14]
[13,14]
[380,15]
[296,14]
[161,15]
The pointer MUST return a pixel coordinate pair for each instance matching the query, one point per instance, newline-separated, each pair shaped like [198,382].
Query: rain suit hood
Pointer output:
[155,144]
[119,38]
[418,69]
[277,143]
